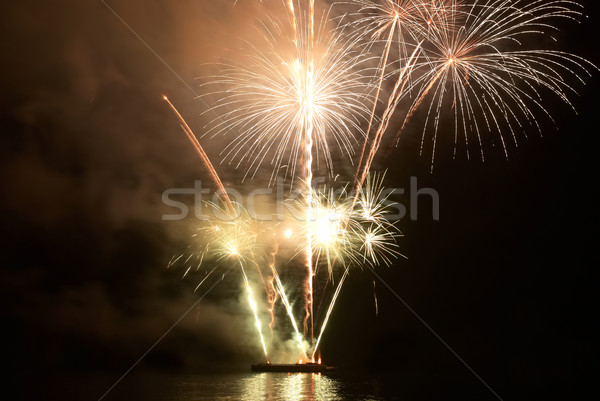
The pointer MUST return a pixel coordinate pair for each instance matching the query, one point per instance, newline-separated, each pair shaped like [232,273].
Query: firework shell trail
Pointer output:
[329,310]
[254,309]
[200,150]
[393,101]
[275,288]
[374,18]
[270,286]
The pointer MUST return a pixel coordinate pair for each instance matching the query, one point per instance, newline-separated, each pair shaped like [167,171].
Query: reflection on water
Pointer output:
[293,386]
[266,386]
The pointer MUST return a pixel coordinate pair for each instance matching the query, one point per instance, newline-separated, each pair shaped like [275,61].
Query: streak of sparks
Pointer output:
[254,308]
[200,150]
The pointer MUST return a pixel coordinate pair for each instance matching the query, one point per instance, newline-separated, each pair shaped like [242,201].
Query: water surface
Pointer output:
[272,387]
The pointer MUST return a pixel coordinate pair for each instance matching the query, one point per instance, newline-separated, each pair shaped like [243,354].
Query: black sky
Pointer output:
[507,276]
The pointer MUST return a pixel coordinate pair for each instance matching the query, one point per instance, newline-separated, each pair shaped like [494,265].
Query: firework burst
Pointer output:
[349,229]
[270,95]
[488,87]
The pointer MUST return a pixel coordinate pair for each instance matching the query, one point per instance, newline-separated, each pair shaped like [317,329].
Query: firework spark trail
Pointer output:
[416,104]
[290,313]
[410,19]
[309,253]
[309,178]
[277,287]
[232,240]
[382,66]
[332,303]
[254,308]
[404,17]
[393,101]
[290,5]
[231,208]
[308,103]
[270,288]
[361,176]
[309,146]
[233,245]
[372,235]
[205,277]
[235,240]
[375,299]
[306,65]
[200,150]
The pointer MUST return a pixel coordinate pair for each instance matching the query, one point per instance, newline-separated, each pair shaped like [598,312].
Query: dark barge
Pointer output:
[308,367]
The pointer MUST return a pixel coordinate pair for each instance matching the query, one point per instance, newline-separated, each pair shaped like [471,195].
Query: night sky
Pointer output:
[507,276]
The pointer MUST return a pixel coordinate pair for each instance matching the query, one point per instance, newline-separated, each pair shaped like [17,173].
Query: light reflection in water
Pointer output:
[290,386]
[247,386]
[267,387]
